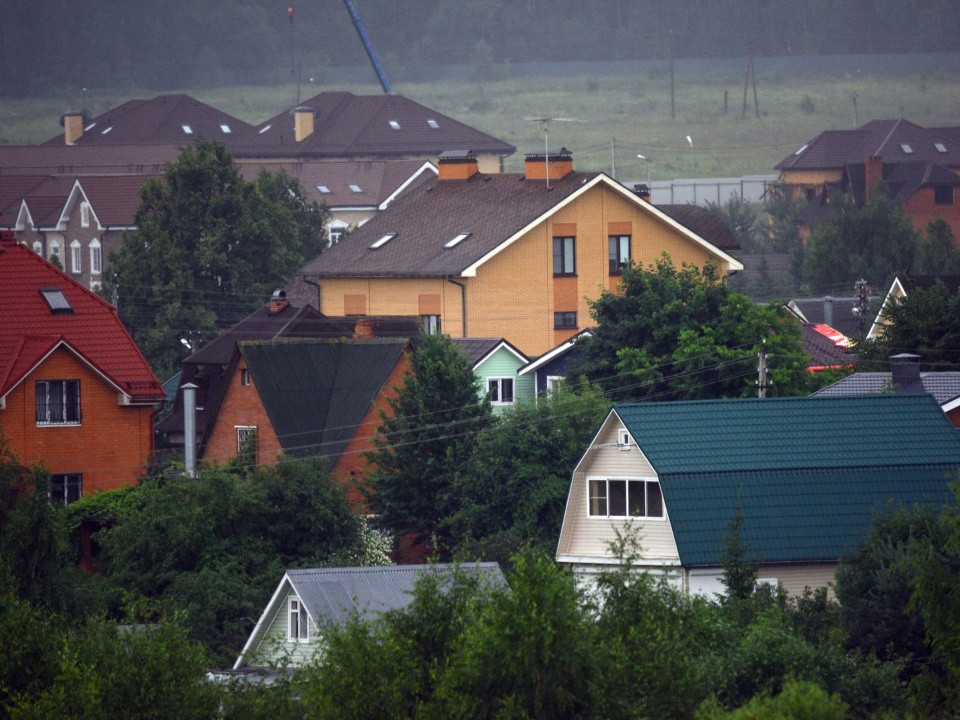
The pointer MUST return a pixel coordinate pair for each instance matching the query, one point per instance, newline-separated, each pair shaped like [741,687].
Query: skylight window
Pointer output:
[355,188]
[906,149]
[89,127]
[457,240]
[941,148]
[394,124]
[106,130]
[56,300]
[262,130]
[225,129]
[802,149]
[187,129]
[323,189]
[433,123]
[383,241]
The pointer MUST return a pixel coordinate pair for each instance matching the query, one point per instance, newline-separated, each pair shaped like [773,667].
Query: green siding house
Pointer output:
[496,364]
[808,474]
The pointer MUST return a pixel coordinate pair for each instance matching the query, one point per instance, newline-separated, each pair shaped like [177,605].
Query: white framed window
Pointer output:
[57,402]
[298,625]
[245,377]
[336,231]
[623,439]
[84,214]
[38,247]
[96,257]
[66,488]
[624,497]
[430,323]
[619,252]
[54,253]
[95,285]
[554,382]
[247,442]
[500,390]
[76,255]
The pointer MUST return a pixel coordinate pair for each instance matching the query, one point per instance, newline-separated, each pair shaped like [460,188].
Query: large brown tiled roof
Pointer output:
[833,149]
[60,159]
[163,120]
[13,188]
[704,223]
[358,125]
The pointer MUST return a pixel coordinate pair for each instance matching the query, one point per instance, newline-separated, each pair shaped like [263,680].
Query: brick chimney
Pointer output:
[872,173]
[278,302]
[905,373]
[303,123]
[72,126]
[363,330]
[457,165]
[559,160]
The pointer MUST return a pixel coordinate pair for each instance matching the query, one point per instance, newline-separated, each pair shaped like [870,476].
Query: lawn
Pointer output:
[630,112]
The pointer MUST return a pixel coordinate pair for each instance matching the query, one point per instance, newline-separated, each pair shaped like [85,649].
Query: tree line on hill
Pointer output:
[54,45]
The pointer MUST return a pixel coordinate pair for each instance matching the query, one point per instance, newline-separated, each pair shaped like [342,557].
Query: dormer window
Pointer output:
[383,241]
[433,123]
[56,300]
[225,129]
[907,150]
[457,240]
[84,214]
[394,124]
[187,129]
[355,188]
[940,147]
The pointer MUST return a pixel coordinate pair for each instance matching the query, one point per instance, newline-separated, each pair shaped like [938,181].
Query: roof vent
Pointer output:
[278,302]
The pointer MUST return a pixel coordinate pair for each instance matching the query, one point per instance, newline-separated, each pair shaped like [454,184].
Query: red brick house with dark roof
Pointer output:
[75,392]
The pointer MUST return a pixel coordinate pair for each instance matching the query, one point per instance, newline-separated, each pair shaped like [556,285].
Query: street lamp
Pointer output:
[644,157]
[692,156]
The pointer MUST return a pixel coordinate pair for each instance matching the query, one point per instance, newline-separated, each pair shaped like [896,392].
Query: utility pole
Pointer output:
[863,291]
[762,371]
[750,76]
[613,158]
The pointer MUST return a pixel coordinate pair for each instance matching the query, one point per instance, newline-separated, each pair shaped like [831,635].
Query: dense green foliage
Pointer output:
[683,334]
[427,436]
[209,247]
[926,322]
[242,41]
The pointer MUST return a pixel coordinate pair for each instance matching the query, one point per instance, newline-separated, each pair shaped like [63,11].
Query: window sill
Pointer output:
[626,517]
[58,424]
[566,327]
[564,275]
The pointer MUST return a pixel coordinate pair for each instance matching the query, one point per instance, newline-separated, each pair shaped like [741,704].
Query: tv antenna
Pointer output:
[544,123]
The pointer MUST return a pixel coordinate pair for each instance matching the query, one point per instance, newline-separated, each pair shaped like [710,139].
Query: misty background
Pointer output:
[51,46]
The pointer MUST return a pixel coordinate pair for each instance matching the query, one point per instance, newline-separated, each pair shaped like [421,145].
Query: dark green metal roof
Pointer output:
[808,473]
[316,392]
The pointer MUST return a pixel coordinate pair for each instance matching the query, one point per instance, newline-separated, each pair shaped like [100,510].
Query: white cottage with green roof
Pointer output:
[808,474]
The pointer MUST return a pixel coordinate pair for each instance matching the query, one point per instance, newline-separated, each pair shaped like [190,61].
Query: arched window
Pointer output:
[54,253]
[84,214]
[38,247]
[76,262]
[96,257]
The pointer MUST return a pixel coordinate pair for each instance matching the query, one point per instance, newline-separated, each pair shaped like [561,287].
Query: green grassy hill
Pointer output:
[633,109]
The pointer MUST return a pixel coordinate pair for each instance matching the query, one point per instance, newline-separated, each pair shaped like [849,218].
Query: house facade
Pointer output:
[673,476]
[75,393]
[496,365]
[505,255]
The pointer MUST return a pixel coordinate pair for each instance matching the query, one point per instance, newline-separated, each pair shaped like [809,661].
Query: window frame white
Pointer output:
[297,615]
[53,251]
[431,324]
[499,383]
[69,491]
[244,431]
[553,383]
[84,214]
[96,257]
[67,402]
[607,498]
[76,257]
[623,439]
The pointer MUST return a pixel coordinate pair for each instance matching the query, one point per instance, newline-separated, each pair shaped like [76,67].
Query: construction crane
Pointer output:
[371,53]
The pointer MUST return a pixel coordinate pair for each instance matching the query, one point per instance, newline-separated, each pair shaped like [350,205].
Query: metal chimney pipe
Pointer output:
[190,428]
[828,310]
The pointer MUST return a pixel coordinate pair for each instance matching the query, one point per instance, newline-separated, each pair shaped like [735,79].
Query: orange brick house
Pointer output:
[515,256]
[75,392]
[307,399]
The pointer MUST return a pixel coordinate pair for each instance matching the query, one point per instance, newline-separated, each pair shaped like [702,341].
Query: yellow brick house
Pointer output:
[516,256]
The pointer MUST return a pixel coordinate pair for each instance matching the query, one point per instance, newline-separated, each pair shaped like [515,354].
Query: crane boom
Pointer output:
[371,53]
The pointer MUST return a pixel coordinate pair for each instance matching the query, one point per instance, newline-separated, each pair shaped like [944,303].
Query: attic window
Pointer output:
[262,130]
[225,129]
[355,188]
[106,130]
[802,149]
[394,124]
[323,189]
[56,300]
[187,129]
[906,149]
[89,127]
[433,123]
[941,148]
[457,240]
[383,241]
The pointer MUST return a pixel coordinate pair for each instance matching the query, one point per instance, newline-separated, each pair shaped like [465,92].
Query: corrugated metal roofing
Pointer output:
[808,473]
[943,386]
[332,595]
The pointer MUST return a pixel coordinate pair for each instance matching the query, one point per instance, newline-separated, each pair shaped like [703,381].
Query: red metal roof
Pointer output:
[30,330]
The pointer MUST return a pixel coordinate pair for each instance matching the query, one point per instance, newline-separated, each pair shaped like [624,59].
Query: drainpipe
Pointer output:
[190,428]
[308,281]
[463,302]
